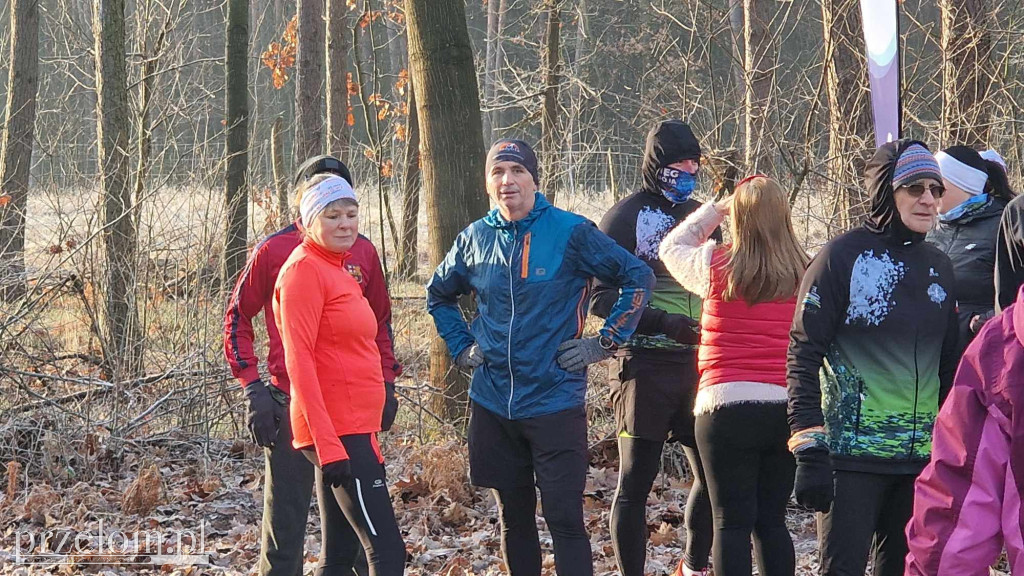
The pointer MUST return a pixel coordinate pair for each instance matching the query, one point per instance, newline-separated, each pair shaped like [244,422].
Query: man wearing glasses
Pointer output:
[871,357]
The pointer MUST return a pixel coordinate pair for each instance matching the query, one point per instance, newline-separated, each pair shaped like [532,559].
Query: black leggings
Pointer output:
[869,516]
[639,462]
[287,492]
[520,544]
[750,477]
[365,508]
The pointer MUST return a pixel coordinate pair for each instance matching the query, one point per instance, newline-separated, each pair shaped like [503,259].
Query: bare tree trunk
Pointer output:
[496,115]
[452,149]
[549,119]
[368,92]
[338,131]
[237,118]
[16,148]
[738,64]
[280,174]
[849,122]
[147,85]
[488,67]
[575,97]
[760,74]
[120,237]
[617,193]
[309,80]
[967,72]
[397,53]
[409,254]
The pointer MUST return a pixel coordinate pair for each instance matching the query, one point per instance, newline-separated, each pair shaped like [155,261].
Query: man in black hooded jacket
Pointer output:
[654,376]
[871,356]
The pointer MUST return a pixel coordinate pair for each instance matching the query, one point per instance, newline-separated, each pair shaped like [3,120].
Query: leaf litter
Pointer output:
[450,528]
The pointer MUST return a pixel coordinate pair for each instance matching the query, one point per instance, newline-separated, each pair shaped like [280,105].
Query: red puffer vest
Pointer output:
[738,342]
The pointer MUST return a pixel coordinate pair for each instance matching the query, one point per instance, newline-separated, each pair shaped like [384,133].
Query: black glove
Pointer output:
[264,414]
[681,328]
[814,485]
[978,321]
[338,473]
[390,407]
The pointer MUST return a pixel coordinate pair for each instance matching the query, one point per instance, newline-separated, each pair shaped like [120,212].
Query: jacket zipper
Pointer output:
[512,297]
[917,389]
[860,407]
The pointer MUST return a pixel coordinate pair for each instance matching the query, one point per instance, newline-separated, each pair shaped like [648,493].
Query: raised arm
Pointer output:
[686,251]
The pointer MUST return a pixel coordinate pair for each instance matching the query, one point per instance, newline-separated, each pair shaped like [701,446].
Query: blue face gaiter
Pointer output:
[676,185]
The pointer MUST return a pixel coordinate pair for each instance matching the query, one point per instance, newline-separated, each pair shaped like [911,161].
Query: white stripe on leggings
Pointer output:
[359,492]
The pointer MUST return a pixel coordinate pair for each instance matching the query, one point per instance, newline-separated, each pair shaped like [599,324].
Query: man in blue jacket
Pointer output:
[531,266]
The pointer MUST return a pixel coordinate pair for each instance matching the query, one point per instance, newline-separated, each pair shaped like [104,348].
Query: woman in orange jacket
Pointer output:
[328,330]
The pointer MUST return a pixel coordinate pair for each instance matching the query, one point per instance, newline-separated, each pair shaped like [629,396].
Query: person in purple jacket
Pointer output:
[967,501]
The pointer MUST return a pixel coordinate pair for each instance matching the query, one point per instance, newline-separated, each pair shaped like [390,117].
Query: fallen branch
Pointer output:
[107,388]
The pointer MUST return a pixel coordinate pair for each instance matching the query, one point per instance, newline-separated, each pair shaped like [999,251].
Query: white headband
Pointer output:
[970,180]
[318,196]
[994,156]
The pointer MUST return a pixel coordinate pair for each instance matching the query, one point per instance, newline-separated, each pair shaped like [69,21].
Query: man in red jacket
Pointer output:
[288,484]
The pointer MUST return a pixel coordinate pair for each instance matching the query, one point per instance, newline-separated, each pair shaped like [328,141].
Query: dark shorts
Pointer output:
[549,451]
[653,395]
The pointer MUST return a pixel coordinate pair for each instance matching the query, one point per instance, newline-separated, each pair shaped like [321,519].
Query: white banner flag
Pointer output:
[882,38]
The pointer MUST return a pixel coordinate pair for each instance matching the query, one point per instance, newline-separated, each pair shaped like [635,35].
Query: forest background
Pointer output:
[148,144]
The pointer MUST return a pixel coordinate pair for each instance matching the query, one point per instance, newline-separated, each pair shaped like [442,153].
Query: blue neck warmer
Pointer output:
[676,185]
[966,207]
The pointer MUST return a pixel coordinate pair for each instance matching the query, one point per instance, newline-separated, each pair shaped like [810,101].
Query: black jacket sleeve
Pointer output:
[821,304]
[1009,274]
[619,223]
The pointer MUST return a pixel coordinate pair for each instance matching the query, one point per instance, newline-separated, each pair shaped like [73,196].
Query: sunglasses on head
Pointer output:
[917,190]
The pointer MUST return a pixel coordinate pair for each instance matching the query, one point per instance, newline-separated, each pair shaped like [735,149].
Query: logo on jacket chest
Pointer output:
[356,272]
[652,225]
[872,282]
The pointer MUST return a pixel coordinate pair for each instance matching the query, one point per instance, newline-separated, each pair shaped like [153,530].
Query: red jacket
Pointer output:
[330,352]
[967,501]
[739,342]
[255,289]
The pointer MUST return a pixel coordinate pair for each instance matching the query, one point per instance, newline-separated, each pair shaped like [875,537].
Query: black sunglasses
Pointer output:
[917,190]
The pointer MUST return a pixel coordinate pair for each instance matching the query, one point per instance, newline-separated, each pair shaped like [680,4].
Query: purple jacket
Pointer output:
[967,501]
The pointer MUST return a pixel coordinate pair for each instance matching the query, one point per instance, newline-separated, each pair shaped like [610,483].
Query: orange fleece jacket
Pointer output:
[328,330]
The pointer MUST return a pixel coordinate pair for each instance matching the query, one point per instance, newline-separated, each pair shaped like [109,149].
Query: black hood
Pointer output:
[668,142]
[884,218]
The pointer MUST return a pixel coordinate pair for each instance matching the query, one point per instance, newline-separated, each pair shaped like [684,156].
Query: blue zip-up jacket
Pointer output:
[532,283]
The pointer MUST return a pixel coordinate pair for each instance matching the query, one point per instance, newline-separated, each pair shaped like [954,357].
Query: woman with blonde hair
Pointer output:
[328,332]
[749,289]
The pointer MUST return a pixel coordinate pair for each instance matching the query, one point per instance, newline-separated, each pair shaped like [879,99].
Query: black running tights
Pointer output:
[639,463]
[563,512]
